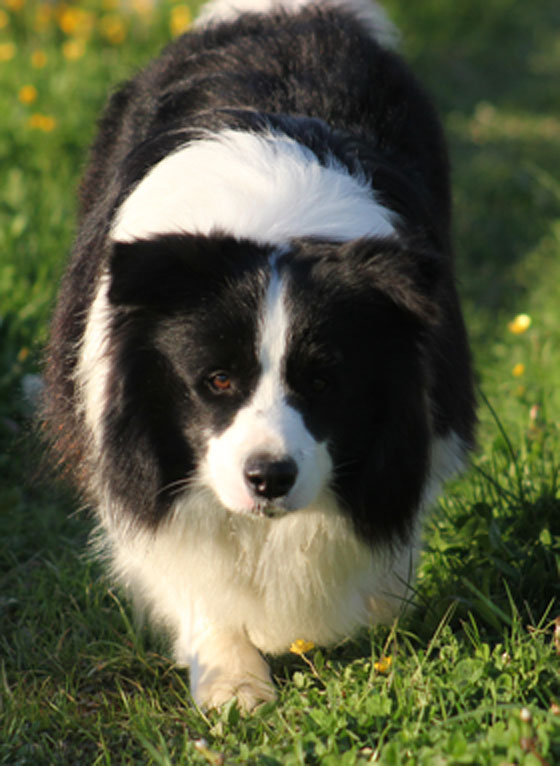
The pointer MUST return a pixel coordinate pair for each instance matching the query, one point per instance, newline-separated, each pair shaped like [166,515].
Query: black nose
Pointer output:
[269,476]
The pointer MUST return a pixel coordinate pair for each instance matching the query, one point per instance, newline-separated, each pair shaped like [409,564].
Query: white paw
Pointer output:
[249,692]
[224,664]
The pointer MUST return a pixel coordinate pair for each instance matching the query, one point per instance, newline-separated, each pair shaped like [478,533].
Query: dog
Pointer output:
[258,372]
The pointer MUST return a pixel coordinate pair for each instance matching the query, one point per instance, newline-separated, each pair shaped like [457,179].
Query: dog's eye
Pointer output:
[220,382]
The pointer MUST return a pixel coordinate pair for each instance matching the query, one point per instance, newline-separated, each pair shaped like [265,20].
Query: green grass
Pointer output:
[474,677]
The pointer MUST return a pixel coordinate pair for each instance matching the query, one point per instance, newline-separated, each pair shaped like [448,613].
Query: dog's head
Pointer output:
[268,375]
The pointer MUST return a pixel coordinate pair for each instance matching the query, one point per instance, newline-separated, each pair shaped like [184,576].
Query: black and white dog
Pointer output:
[258,370]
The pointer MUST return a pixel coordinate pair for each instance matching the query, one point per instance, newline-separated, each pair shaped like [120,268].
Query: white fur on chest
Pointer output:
[226,584]
[305,575]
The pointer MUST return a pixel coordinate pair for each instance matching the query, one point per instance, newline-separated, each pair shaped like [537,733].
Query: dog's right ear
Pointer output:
[166,271]
[409,276]
[147,273]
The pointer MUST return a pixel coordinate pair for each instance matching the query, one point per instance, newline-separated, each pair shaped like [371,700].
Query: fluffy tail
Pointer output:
[372,15]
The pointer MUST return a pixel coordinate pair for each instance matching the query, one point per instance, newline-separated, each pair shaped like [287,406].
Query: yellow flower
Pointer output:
[7,51]
[27,94]
[180,19]
[112,28]
[520,324]
[43,122]
[73,49]
[14,5]
[38,59]
[68,19]
[301,647]
[383,665]
[518,370]
[4,19]
[75,21]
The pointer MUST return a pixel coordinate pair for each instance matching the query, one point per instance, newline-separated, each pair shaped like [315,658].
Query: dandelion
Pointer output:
[68,19]
[180,19]
[43,122]
[4,19]
[518,370]
[27,94]
[7,51]
[72,50]
[301,646]
[75,22]
[38,59]
[520,324]
[112,28]
[383,665]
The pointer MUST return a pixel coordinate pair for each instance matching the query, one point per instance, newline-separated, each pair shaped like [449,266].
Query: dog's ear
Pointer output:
[166,271]
[146,273]
[410,277]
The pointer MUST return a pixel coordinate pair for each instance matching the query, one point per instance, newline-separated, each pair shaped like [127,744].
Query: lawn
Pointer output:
[471,676]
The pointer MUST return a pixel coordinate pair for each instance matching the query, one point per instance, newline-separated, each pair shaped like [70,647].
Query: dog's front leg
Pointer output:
[223,664]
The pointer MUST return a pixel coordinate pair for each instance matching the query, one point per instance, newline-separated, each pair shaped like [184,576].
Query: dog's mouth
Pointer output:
[270,510]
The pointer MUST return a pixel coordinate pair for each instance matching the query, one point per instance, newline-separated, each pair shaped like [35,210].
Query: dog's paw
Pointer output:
[249,692]
[224,664]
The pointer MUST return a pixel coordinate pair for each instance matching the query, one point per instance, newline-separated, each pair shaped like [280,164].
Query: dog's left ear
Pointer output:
[410,277]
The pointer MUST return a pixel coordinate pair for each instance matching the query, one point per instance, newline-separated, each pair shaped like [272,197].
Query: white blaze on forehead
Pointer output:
[272,347]
[267,424]
[264,187]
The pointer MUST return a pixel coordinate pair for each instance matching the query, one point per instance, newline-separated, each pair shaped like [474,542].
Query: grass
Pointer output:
[474,672]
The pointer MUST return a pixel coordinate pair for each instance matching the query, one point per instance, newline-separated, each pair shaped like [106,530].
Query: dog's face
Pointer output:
[268,375]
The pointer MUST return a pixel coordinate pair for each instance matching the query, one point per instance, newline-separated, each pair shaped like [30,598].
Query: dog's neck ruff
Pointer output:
[263,187]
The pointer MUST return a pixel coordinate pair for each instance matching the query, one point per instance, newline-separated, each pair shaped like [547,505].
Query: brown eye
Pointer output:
[220,382]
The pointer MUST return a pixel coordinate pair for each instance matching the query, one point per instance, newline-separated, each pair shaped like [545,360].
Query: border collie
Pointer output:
[258,372]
